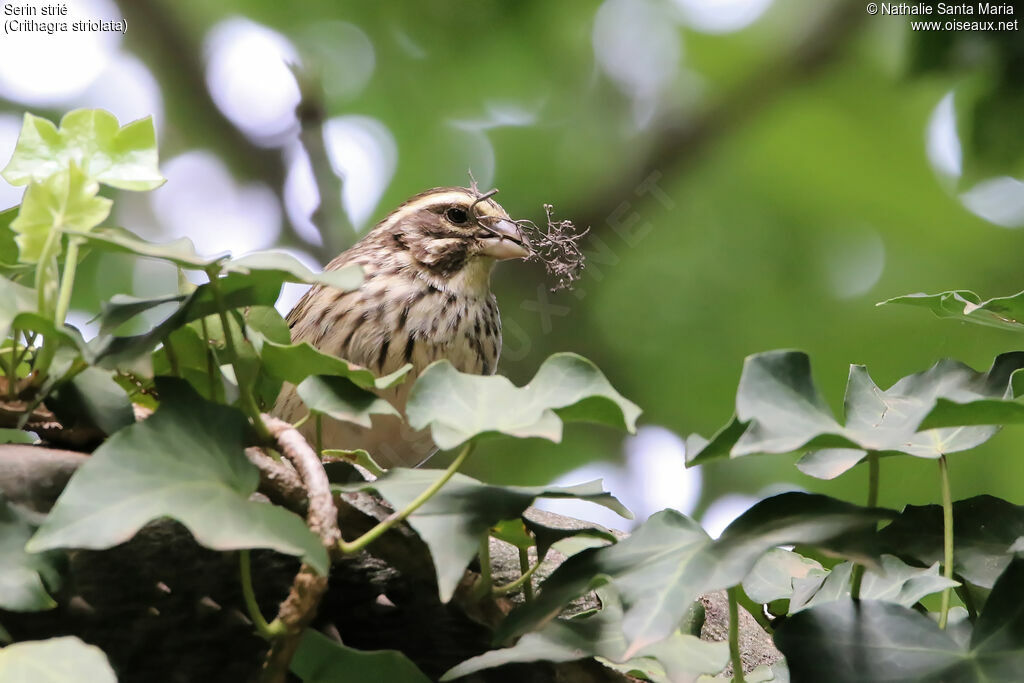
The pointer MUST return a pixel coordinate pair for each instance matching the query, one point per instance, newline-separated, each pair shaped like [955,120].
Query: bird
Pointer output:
[425,296]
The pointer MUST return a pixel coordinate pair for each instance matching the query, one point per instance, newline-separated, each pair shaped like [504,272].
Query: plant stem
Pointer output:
[396,517]
[67,282]
[947,538]
[172,357]
[485,582]
[267,631]
[319,435]
[303,420]
[858,570]
[523,580]
[734,636]
[211,370]
[244,389]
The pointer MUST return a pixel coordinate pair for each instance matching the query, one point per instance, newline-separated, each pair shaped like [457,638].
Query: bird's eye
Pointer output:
[457,216]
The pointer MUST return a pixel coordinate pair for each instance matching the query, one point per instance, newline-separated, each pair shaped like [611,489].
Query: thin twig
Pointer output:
[947,538]
[299,608]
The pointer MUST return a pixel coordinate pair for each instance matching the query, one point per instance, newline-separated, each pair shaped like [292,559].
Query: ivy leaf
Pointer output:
[322,660]
[57,660]
[682,658]
[454,520]
[122,157]
[458,406]
[181,252]
[773,575]
[23,576]
[64,201]
[8,247]
[341,399]
[845,641]
[895,581]
[669,560]
[295,362]
[1005,312]
[187,462]
[15,299]
[92,398]
[779,410]
[290,269]
[985,529]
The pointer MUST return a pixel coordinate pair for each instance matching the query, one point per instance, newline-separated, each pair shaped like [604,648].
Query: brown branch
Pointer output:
[299,608]
[278,481]
[680,144]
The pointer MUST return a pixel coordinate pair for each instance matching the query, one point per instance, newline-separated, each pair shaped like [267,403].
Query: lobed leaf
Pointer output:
[846,641]
[341,399]
[669,560]
[322,660]
[187,462]
[779,410]
[57,660]
[295,362]
[1005,312]
[679,658]
[23,576]
[122,157]
[454,520]
[985,529]
[66,200]
[459,406]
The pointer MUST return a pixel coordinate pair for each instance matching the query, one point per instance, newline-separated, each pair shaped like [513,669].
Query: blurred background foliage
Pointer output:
[756,174]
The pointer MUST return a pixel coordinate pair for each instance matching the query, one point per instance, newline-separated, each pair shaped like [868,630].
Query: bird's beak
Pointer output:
[505,240]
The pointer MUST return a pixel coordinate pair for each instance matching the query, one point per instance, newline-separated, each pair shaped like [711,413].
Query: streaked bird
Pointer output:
[425,296]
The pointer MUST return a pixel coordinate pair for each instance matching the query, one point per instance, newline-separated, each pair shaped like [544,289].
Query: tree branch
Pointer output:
[680,144]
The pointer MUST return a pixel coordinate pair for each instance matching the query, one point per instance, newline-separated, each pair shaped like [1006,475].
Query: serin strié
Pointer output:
[426,296]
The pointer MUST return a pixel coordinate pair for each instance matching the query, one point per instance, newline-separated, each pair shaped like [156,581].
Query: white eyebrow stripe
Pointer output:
[439,199]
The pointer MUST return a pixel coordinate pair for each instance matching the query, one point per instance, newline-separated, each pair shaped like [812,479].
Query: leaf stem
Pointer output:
[67,282]
[172,357]
[211,371]
[266,631]
[734,636]
[523,580]
[244,388]
[396,517]
[947,538]
[873,476]
[485,582]
[302,420]
[319,435]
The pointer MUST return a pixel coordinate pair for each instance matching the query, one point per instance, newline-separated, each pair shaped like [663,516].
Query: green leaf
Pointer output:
[125,158]
[567,387]
[92,398]
[322,660]
[682,658]
[844,641]
[984,529]
[23,576]
[1005,312]
[356,457]
[667,562]
[290,269]
[782,411]
[18,436]
[341,399]
[181,252]
[187,462]
[295,362]
[15,299]
[847,642]
[58,660]
[895,581]
[773,575]
[454,520]
[8,247]
[64,201]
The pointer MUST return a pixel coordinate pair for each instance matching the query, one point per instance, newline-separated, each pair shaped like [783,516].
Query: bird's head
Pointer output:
[453,233]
